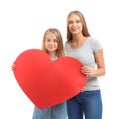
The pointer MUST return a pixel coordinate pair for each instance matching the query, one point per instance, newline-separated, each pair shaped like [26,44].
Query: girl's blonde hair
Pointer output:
[84,25]
[56,32]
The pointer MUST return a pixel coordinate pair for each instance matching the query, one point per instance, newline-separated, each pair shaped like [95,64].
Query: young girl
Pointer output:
[53,46]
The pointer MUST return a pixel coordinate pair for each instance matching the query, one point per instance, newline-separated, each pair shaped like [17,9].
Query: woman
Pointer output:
[89,51]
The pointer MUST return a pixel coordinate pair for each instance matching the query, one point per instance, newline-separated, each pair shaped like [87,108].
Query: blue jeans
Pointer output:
[55,112]
[87,104]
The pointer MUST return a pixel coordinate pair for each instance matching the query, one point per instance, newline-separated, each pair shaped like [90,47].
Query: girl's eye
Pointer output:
[55,40]
[48,40]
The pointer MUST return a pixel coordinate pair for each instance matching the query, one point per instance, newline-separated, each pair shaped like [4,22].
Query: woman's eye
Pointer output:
[70,22]
[77,21]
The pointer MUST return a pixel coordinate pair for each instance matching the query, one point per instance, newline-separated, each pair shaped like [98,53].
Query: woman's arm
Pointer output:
[100,71]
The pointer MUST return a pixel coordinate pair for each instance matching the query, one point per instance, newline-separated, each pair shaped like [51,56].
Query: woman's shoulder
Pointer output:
[93,40]
[95,43]
[67,44]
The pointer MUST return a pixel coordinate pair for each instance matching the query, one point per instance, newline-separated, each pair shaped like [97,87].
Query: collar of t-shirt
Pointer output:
[55,58]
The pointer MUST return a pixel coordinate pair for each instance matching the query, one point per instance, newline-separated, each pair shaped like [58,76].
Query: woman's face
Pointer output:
[75,24]
[51,43]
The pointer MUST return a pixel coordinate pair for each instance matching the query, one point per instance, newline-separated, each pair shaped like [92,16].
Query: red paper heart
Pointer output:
[47,83]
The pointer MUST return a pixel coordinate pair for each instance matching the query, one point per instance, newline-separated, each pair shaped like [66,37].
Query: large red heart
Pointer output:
[47,83]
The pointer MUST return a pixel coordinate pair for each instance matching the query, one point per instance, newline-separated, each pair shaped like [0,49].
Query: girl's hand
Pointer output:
[13,66]
[87,70]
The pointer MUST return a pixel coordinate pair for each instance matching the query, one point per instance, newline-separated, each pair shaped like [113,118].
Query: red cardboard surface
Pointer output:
[48,83]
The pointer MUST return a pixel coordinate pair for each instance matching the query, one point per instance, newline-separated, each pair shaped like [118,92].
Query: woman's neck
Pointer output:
[78,38]
[78,41]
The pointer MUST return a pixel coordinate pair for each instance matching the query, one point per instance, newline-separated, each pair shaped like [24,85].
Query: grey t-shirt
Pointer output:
[85,54]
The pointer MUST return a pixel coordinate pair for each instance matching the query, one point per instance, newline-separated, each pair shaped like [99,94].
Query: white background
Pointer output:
[22,24]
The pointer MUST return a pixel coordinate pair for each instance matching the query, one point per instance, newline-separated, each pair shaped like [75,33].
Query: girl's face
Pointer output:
[74,24]
[51,43]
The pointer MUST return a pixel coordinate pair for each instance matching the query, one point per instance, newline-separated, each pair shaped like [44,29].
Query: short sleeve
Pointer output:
[96,45]
[66,47]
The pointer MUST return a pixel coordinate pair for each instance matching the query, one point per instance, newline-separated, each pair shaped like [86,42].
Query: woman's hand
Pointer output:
[88,71]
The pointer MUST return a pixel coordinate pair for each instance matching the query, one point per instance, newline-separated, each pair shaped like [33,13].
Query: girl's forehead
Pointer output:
[50,35]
